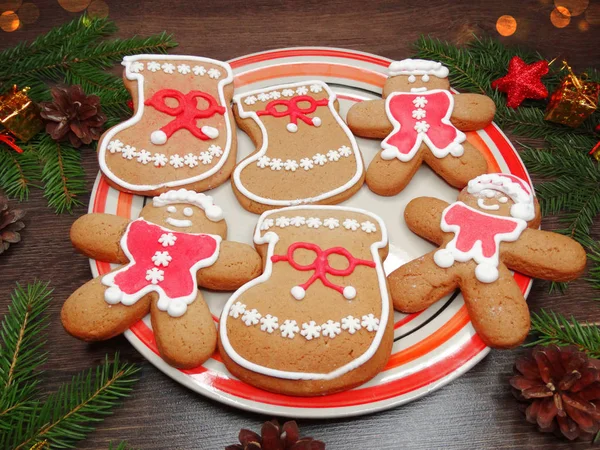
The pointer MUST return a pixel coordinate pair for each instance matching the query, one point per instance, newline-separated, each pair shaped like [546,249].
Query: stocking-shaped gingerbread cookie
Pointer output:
[319,319]
[182,133]
[175,245]
[489,230]
[420,121]
[305,152]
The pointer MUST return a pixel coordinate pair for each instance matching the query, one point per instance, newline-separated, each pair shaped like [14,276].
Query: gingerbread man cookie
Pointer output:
[176,244]
[305,153]
[319,319]
[490,229]
[420,121]
[182,133]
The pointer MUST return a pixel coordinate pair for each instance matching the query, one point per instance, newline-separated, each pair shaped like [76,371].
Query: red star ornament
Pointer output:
[523,81]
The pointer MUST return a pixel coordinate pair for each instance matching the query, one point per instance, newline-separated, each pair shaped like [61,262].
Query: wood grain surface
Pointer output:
[477,410]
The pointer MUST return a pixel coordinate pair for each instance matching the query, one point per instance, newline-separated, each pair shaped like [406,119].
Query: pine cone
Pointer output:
[10,224]
[73,116]
[559,390]
[274,437]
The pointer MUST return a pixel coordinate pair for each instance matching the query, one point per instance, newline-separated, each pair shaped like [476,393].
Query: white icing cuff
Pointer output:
[176,308]
[417,67]
[211,132]
[158,137]
[298,292]
[349,292]
[443,258]
[113,295]
[292,127]
[486,273]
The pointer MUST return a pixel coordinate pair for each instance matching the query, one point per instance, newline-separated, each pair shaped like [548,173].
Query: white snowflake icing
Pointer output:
[370,322]
[167,239]
[176,161]
[351,224]
[199,70]
[316,88]
[290,164]
[155,275]
[302,90]
[269,323]
[275,95]
[331,223]
[345,151]
[333,155]
[205,157]
[153,66]
[168,68]
[251,317]
[214,73]
[136,67]
[314,222]
[237,309]
[311,330]
[368,227]
[306,163]
[215,150]
[351,324]
[129,152]
[267,223]
[419,114]
[287,92]
[421,127]
[276,164]
[190,160]
[420,102]
[115,146]
[183,69]
[160,160]
[263,97]
[144,156]
[289,328]
[331,329]
[250,100]
[319,159]
[263,162]
[297,221]
[161,259]
[282,222]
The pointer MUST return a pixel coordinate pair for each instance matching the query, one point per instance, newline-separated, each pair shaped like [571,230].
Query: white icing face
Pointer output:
[482,205]
[172,209]
[188,212]
[419,89]
[179,223]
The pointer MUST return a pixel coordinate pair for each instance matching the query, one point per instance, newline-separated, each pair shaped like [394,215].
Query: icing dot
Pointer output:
[425,78]
[349,292]
[298,292]
[176,308]
[411,79]
[292,127]
[158,137]
[211,132]
[316,121]
[486,273]
[171,209]
[188,212]
[443,258]
[503,199]
[113,295]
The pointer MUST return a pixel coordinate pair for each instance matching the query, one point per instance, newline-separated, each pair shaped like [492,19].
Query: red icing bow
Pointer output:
[293,110]
[186,112]
[321,267]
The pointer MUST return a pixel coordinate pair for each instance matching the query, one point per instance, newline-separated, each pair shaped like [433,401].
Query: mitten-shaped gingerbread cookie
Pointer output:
[182,133]
[489,230]
[420,121]
[305,152]
[319,319]
[176,244]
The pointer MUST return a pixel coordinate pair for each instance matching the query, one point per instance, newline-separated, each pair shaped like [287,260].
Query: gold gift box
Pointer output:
[573,102]
[19,114]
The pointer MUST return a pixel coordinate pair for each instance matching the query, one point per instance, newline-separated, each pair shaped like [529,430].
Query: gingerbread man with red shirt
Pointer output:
[490,229]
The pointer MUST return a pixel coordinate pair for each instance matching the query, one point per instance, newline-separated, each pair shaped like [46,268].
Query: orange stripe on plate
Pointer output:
[475,140]
[101,194]
[124,205]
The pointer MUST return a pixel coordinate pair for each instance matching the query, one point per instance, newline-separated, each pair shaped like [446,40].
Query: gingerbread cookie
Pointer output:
[176,244]
[420,121]
[182,133]
[490,229]
[305,152]
[319,319]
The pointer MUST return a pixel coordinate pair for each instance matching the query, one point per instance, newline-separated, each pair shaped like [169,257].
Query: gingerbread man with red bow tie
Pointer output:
[490,229]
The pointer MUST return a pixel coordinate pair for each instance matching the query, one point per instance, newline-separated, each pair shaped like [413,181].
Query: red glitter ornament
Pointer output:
[523,81]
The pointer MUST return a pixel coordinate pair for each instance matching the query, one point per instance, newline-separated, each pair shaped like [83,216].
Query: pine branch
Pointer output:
[594,272]
[552,328]
[18,171]
[23,335]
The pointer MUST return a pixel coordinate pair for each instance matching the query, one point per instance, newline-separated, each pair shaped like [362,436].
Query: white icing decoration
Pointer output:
[251,317]
[310,330]
[421,127]
[211,132]
[313,222]
[215,150]
[129,152]
[417,67]
[113,295]
[144,157]
[167,239]
[198,199]
[155,275]
[319,159]
[176,308]
[153,66]
[420,102]
[199,70]
[276,164]
[443,258]
[288,92]
[160,160]
[370,322]
[168,68]
[482,205]
[171,209]
[298,221]
[503,199]
[289,328]
[269,323]
[282,222]
[486,273]
[316,88]
[176,161]
[419,114]
[158,137]
[351,224]
[250,100]
[188,212]
[368,227]
[302,90]
[115,146]
[331,223]
[214,73]
[524,207]
[345,151]
[298,292]
[425,78]
[349,292]
[162,259]
[333,155]
[179,223]
[419,89]
[268,223]
[412,79]
[183,69]
[190,160]
[275,95]
[205,157]
[290,165]
[291,127]
[316,121]
[304,163]
[331,329]
[137,67]
[263,97]
[237,310]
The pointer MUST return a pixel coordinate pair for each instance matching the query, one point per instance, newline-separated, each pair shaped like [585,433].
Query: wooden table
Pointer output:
[475,411]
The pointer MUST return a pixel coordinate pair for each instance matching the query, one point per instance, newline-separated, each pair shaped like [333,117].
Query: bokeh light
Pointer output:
[560,17]
[28,13]
[74,5]
[10,5]
[592,14]
[98,8]
[9,21]
[506,25]
[575,7]
[582,25]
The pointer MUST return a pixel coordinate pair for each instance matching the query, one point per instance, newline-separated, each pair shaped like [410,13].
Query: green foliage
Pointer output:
[61,419]
[74,53]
